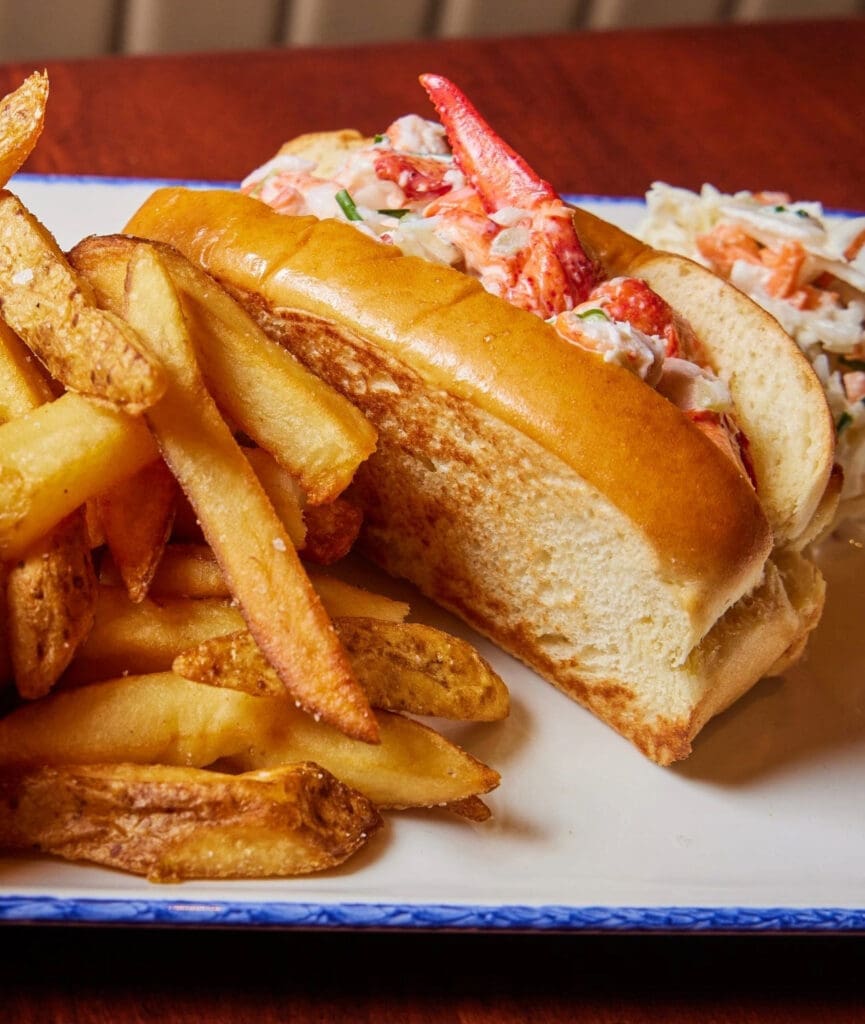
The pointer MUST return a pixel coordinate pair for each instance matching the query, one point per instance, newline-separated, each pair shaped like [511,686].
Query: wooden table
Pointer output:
[776,107]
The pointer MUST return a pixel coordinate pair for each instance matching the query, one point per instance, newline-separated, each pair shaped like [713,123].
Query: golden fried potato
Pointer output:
[157,718]
[51,600]
[22,115]
[331,531]
[184,571]
[312,431]
[162,718]
[45,302]
[344,599]
[412,766]
[408,666]
[254,551]
[191,570]
[176,823]
[56,457]
[147,635]
[403,666]
[23,383]
[136,516]
[284,493]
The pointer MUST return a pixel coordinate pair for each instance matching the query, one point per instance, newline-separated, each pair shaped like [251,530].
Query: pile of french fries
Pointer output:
[187,691]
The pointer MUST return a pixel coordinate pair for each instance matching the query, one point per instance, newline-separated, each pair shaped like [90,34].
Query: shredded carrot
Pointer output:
[854,248]
[724,245]
[785,261]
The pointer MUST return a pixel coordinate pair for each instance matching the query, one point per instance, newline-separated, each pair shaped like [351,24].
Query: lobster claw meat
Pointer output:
[502,178]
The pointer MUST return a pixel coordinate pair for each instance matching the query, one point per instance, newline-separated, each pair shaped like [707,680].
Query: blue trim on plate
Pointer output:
[97,179]
[354,916]
[574,198]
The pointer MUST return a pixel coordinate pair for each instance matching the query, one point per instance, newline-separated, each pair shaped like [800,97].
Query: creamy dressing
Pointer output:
[405,189]
[805,267]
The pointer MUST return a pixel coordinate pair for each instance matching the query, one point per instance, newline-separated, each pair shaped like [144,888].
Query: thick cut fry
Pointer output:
[52,590]
[331,531]
[402,666]
[284,493]
[344,599]
[130,637]
[191,570]
[184,571]
[157,718]
[51,597]
[408,666]
[45,302]
[164,719]
[254,551]
[413,766]
[23,384]
[56,457]
[176,823]
[136,517]
[311,430]
[22,115]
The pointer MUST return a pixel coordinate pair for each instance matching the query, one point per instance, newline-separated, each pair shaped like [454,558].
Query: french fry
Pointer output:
[412,766]
[56,457]
[403,666]
[136,516]
[23,384]
[408,666]
[284,493]
[344,599]
[47,305]
[313,432]
[146,636]
[51,597]
[157,718]
[258,560]
[176,823]
[22,115]
[331,531]
[191,570]
[162,718]
[184,571]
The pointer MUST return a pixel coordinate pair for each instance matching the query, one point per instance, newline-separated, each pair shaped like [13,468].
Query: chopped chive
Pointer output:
[802,213]
[394,213]
[346,204]
[780,209]
[844,420]
[593,314]
[378,138]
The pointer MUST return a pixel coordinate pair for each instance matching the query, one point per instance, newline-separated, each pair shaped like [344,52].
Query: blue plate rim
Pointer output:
[574,198]
[357,916]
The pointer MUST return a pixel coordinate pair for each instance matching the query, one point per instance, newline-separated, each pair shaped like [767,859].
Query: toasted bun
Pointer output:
[779,400]
[555,501]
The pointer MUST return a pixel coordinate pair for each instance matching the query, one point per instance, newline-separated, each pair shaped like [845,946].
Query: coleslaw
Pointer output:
[804,266]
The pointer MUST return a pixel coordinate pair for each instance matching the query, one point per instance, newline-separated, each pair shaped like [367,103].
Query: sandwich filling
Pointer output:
[804,266]
[455,193]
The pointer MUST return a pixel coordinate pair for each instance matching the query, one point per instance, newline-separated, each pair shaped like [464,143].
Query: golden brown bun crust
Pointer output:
[767,373]
[633,446]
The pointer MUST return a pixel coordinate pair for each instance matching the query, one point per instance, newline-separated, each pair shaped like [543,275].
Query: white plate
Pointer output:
[761,829]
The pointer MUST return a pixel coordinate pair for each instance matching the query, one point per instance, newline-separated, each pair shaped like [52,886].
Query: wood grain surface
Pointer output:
[761,106]
[779,107]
